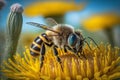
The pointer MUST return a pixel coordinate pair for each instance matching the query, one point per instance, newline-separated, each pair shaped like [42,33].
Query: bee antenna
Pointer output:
[88,45]
[94,42]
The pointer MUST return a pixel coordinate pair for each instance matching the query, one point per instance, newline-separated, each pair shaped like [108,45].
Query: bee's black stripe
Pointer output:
[35,47]
[37,52]
[45,36]
[34,43]
[38,40]
[33,53]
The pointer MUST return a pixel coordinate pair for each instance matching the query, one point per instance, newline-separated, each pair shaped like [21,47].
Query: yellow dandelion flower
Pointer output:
[51,8]
[100,64]
[101,21]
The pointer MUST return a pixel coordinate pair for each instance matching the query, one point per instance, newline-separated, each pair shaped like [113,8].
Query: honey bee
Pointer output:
[59,36]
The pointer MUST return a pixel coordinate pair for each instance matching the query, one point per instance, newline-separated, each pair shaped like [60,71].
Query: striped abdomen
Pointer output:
[36,45]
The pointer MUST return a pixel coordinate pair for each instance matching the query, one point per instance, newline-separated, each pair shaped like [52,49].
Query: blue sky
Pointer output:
[73,18]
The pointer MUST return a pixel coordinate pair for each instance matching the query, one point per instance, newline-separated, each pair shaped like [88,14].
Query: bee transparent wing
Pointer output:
[38,25]
[51,22]
[41,26]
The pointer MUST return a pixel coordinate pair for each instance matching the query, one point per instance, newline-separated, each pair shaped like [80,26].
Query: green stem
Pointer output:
[11,47]
[13,30]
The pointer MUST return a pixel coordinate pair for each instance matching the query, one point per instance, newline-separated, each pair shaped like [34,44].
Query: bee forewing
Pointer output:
[41,26]
[37,25]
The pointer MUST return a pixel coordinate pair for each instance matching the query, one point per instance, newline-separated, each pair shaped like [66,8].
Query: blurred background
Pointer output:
[99,19]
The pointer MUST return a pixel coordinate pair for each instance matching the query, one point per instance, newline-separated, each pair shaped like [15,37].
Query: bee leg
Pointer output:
[79,52]
[57,57]
[65,50]
[42,53]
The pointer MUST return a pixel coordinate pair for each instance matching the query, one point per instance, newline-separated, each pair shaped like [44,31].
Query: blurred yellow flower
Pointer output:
[101,21]
[51,8]
[27,39]
[100,64]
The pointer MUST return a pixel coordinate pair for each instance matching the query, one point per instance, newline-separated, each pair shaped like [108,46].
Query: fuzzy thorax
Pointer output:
[65,30]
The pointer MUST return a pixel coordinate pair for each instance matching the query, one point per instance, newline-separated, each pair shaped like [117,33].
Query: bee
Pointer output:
[59,36]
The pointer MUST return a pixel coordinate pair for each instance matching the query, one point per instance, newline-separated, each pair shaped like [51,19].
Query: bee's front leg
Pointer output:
[66,47]
[74,51]
[56,55]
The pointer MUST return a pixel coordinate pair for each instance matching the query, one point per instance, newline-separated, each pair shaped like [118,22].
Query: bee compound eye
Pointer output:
[72,40]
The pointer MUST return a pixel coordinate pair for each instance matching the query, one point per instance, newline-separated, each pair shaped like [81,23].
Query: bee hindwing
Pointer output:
[51,22]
